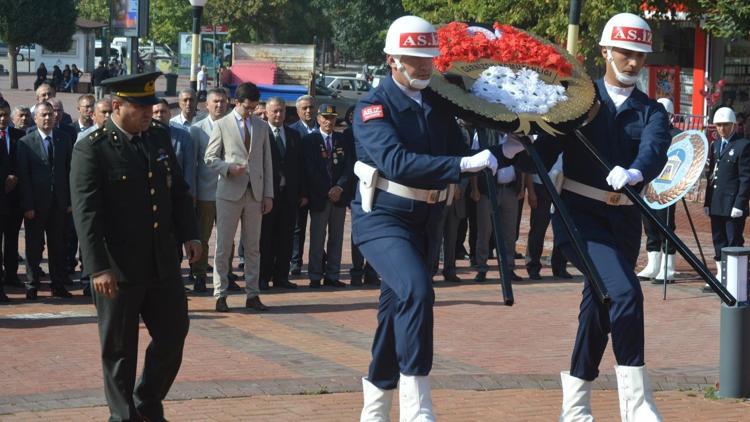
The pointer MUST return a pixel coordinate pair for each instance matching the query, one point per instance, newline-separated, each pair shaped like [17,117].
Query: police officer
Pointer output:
[631,132]
[131,208]
[410,151]
[728,188]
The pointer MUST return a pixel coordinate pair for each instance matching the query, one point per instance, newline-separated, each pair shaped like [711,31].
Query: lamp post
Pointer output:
[197,14]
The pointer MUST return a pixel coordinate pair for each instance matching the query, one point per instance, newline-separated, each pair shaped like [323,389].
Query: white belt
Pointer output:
[424,195]
[609,198]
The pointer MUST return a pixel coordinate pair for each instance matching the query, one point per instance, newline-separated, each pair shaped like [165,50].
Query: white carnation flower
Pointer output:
[521,92]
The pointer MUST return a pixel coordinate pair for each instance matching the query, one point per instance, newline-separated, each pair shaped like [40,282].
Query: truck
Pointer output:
[283,70]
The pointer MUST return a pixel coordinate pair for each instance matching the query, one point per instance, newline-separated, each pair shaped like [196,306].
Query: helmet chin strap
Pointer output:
[417,84]
[621,77]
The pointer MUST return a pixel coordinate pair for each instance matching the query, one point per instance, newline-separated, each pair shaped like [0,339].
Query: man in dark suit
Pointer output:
[132,209]
[10,203]
[306,125]
[44,165]
[728,187]
[329,164]
[289,196]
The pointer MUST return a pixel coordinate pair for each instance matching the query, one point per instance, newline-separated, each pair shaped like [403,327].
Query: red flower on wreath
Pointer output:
[514,46]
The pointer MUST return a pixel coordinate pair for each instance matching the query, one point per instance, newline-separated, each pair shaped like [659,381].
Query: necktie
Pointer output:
[329,162]
[140,147]
[248,143]
[50,150]
[279,141]
[723,146]
[5,142]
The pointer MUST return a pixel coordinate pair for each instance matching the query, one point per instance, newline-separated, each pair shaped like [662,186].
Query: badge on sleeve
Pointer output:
[372,112]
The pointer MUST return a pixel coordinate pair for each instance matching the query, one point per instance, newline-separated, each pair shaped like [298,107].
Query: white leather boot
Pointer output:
[415,399]
[652,267]
[670,269]
[377,403]
[576,405]
[634,389]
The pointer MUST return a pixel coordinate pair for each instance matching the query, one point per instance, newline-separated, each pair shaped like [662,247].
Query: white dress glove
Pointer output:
[479,161]
[736,213]
[511,147]
[619,177]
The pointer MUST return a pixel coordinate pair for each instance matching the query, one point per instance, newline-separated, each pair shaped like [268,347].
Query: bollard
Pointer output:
[734,343]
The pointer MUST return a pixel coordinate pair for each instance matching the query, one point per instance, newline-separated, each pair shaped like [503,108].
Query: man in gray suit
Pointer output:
[184,147]
[188,102]
[206,180]
[239,150]
[44,167]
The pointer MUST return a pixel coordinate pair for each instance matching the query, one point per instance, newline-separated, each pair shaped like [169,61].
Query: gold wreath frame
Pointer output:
[693,174]
[580,92]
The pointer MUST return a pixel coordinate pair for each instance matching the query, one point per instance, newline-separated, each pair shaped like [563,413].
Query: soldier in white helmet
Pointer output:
[728,187]
[630,131]
[410,150]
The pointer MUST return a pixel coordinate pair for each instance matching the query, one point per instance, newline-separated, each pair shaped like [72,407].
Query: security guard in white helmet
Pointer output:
[630,131]
[728,187]
[410,150]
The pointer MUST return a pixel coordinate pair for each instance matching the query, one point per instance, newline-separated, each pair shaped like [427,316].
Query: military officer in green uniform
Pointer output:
[132,209]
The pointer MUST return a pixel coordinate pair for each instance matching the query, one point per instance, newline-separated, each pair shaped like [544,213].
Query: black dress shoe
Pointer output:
[562,274]
[255,303]
[518,255]
[200,284]
[534,276]
[241,266]
[451,277]
[60,291]
[333,283]
[314,284]
[3,296]
[371,278]
[31,293]
[232,276]
[233,286]
[209,269]
[13,282]
[295,269]
[515,277]
[481,277]
[263,285]
[356,280]
[87,290]
[284,284]
[221,305]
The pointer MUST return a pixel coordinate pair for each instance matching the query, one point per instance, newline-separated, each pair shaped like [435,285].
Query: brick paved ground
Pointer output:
[492,362]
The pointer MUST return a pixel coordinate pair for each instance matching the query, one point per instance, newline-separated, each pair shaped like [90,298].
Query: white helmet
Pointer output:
[628,31]
[667,103]
[725,115]
[411,36]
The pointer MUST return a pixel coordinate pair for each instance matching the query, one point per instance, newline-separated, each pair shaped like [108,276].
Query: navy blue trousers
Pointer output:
[623,319]
[403,339]
[726,231]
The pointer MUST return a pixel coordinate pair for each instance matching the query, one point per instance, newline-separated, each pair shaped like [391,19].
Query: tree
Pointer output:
[95,10]
[727,18]
[359,26]
[18,26]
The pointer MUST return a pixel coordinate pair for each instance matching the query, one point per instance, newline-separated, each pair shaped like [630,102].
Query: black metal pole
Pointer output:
[502,257]
[665,255]
[717,287]
[194,59]
[695,234]
[589,269]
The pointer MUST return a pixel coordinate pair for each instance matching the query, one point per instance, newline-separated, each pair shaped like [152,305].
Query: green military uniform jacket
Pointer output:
[131,213]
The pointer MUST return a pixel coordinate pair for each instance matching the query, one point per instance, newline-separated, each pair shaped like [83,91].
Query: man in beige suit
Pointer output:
[240,151]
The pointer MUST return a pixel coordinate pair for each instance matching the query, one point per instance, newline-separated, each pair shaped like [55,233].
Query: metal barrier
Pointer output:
[689,121]
[734,336]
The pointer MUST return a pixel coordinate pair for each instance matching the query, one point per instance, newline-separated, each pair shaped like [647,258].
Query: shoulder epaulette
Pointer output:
[97,135]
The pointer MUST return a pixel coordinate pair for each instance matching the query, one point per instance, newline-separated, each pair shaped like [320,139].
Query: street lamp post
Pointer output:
[197,14]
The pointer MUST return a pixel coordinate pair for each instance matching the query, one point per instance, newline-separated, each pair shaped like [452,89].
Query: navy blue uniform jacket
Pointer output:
[416,146]
[316,160]
[635,136]
[728,177]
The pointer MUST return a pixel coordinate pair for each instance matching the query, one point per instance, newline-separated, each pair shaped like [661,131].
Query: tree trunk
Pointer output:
[13,65]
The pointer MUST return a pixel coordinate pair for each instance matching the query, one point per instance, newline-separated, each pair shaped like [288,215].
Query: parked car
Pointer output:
[346,86]
[333,97]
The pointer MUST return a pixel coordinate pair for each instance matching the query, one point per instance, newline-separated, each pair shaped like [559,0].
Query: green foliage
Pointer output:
[359,26]
[727,18]
[95,10]
[167,19]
